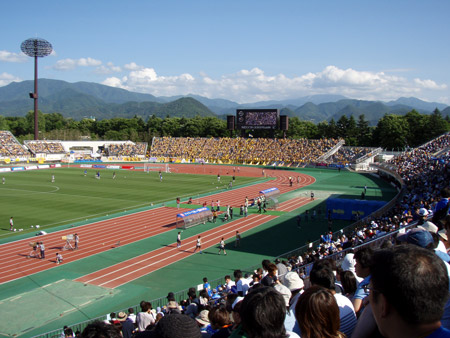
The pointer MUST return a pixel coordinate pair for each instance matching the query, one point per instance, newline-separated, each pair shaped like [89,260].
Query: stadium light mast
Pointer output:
[36,47]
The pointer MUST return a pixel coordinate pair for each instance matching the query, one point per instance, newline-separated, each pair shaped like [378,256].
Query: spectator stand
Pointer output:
[192,218]
[271,196]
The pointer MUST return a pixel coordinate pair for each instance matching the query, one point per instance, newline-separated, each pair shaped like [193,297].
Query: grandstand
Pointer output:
[10,147]
[421,174]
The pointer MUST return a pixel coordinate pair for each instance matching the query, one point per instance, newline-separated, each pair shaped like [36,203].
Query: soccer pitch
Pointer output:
[32,199]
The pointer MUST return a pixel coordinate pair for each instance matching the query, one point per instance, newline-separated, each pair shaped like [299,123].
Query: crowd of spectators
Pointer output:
[243,150]
[126,149]
[45,147]
[346,155]
[9,146]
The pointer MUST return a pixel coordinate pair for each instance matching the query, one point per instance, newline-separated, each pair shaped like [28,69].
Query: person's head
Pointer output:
[445,193]
[418,237]
[227,278]
[322,276]
[176,325]
[265,264]
[272,269]
[218,317]
[68,332]
[262,313]
[130,310]
[363,258]
[146,306]
[205,280]
[317,313]
[237,274]
[99,329]
[348,281]
[409,288]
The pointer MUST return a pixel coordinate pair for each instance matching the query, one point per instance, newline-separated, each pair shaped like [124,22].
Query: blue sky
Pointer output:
[244,51]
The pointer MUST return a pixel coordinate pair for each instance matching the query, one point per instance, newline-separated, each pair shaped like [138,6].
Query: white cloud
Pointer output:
[429,84]
[109,68]
[6,79]
[12,57]
[69,64]
[132,66]
[250,85]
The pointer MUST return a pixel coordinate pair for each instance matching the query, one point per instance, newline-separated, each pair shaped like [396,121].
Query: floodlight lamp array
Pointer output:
[36,47]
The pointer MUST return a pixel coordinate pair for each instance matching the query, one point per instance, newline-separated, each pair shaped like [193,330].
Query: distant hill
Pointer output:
[82,99]
[416,103]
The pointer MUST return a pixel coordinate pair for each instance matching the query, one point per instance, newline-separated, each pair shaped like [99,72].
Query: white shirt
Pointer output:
[242,285]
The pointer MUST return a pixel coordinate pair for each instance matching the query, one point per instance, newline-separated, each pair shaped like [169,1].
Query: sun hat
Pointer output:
[202,317]
[429,226]
[293,281]
[122,316]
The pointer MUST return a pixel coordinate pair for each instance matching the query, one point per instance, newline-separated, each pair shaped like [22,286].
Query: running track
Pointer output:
[141,225]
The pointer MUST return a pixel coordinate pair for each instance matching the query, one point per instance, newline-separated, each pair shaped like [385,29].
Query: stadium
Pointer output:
[296,201]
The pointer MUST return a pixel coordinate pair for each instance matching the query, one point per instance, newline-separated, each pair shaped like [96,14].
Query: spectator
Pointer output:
[324,277]
[100,329]
[127,325]
[262,313]
[145,317]
[318,314]
[399,273]
[175,326]
[362,268]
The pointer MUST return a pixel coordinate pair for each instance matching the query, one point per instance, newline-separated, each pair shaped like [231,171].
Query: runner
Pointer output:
[237,242]
[11,224]
[53,178]
[114,175]
[3,180]
[179,240]
[222,247]
[59,258]
[199,244]
[76,239]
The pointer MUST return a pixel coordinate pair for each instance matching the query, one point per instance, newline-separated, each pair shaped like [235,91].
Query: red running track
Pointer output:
[15,265]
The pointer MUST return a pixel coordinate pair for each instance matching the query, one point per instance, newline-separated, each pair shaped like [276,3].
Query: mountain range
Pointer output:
[86,99]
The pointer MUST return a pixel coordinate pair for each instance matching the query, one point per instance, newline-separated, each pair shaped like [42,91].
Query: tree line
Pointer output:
[391,132]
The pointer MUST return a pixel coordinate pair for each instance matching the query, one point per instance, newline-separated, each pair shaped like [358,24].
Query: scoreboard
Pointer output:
[257,118]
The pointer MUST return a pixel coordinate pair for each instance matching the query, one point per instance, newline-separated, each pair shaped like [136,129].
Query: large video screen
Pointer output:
[257,118]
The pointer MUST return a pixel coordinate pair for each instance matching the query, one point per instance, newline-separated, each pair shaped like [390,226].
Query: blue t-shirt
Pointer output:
[360,293]
[439,333]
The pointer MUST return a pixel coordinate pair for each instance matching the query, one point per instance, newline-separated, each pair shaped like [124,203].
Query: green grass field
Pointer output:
[31,198]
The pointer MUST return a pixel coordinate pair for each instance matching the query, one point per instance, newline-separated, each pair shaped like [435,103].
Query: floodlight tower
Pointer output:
[36,48]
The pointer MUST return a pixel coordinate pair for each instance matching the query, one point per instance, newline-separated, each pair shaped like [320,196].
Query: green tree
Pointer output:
[364,132]
[54,121]
[391,132]
[30,121]
[436,124]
